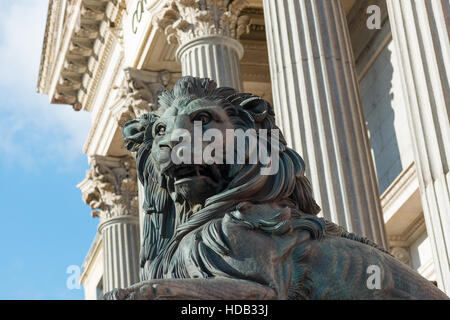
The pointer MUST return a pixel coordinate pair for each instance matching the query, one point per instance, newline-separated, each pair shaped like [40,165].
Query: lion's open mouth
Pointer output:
[183,173]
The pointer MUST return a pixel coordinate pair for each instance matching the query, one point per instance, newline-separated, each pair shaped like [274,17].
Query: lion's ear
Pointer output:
[257,107]
[260,110]
[133,133]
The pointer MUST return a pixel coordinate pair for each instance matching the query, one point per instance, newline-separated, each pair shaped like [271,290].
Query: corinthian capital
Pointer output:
[184,20]
[139,93]
[110,187]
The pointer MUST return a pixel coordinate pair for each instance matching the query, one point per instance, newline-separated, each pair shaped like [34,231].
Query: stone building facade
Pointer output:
[359,88]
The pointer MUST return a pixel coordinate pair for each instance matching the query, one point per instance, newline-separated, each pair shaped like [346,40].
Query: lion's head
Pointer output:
[180,197]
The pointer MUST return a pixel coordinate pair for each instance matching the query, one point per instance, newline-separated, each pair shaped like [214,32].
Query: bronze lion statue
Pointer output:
[226,231]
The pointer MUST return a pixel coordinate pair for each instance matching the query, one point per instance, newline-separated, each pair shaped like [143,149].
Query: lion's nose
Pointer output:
[168,144]
[164,153]
[166,147]
[133,133]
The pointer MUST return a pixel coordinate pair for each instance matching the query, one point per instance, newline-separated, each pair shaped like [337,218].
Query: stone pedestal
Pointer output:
[420,31]
[207,33]
[318,107]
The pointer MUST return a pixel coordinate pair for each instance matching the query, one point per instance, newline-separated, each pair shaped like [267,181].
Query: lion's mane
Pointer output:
[166,221]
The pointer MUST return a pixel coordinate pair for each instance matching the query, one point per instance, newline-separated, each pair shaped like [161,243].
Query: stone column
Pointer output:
[207,33]
[318,107]
[420,31]
[110,189]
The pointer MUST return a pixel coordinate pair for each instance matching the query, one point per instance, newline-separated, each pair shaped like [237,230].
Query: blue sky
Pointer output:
[44,225]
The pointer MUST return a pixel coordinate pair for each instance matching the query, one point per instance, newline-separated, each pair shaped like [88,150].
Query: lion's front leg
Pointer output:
[193,289]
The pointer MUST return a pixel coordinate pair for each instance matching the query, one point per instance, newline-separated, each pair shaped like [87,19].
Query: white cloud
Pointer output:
[31,129]
[22,25]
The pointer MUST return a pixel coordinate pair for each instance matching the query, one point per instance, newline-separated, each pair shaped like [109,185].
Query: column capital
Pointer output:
[139,93]
[110,187]
[186,20]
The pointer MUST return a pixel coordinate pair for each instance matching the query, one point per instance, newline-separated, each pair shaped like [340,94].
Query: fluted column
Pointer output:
[420,31]
[110,189]
[318,107]
[207,33]
[120,252]
[216,58]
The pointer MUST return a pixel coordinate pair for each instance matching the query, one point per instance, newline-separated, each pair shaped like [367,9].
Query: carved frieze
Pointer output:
[110,187]
[185,20]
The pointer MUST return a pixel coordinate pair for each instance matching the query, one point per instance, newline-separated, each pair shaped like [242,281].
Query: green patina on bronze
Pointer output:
[228,232]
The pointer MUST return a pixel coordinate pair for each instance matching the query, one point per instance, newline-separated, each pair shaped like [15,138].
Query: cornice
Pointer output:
[85,36]
[115,11]
[91,82]
[44,62]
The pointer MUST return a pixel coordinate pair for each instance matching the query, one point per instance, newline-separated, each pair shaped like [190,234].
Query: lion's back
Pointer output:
[346,269]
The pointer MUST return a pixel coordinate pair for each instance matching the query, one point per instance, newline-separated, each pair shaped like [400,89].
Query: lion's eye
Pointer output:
[160,130]
[204,117]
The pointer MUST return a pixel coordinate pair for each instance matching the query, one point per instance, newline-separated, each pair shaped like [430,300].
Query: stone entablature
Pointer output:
[69,65]
[110,187]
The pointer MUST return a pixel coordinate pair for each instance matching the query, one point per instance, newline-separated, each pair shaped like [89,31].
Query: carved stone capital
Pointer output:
[139,93]
[186,20]
[110,187]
